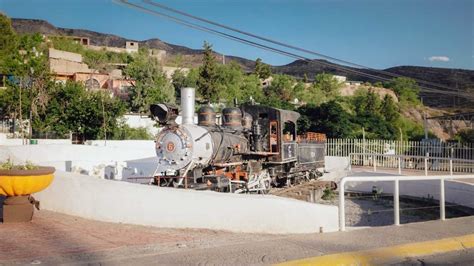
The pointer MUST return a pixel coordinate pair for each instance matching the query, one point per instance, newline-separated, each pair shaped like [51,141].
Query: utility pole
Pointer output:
[363,145]
[21,119]
[104,120]
[223,59]
[425,124]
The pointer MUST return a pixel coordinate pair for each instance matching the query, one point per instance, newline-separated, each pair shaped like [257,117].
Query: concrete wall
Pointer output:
[457,192]
[15,142]
[336,163]
[169,71]
[58,54]
[136,121]
[132,144]
[62,66]
[122,202]
[85,159]
[107,48]
[131,47]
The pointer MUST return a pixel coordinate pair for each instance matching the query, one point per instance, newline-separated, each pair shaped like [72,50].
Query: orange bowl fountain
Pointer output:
[17,186]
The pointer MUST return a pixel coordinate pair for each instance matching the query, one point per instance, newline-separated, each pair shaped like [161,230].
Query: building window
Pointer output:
[92,84]
[289,131]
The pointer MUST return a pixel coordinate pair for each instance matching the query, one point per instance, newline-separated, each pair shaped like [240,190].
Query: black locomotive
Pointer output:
[249,149]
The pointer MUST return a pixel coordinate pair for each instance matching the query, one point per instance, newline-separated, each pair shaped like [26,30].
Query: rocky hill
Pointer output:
[458,79]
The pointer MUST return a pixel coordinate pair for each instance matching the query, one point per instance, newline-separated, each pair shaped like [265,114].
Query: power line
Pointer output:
[251,43]
[150,2]
[265,47]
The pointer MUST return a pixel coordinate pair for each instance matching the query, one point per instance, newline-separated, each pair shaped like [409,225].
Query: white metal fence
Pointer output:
[396,192]
[436,148]
[429,155]
[411,162]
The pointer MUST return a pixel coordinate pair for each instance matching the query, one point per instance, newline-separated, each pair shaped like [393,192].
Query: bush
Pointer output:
[406,89]
[9,165]
[466,135]
[328,194]
[124,132]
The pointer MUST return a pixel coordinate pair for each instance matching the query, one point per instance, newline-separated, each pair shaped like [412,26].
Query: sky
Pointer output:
[373,33]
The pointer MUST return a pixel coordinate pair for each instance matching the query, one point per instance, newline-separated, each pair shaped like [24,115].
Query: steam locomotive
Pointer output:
[253,148]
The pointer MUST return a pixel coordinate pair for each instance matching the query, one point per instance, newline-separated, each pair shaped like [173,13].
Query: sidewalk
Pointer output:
[54,238]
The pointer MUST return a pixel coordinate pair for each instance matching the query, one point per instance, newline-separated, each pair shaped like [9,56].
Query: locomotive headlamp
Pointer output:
[165,114]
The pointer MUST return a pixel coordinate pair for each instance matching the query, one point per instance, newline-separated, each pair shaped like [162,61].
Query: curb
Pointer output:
[387,254]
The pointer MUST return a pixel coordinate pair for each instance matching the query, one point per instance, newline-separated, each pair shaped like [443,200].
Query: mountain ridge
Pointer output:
[461,80]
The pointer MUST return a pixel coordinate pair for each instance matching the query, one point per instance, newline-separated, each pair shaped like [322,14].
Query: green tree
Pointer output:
[329,118]
[376,117]
[262,70]
[406,90]
[27,96]
[91,114]
[378,84]
[372,103]
[389,109]
[305,78]
[178,79]
[151,84]
[327,84]
[8,43]
[465,135]
[208,75]
[366,102]
[280,93]
[123,132]
[66,44]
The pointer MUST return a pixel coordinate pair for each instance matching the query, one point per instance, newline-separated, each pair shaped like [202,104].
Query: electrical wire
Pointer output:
[150,2]
[268,48]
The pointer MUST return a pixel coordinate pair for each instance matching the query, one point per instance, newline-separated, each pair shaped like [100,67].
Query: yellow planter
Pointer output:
[25,182]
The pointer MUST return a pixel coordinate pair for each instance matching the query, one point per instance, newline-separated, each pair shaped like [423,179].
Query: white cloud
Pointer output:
[440,58]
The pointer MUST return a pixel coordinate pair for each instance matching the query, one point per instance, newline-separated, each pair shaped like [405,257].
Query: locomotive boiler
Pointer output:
[249,149]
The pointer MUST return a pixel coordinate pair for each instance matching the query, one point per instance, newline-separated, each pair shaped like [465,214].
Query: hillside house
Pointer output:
[69,66]
[131,47]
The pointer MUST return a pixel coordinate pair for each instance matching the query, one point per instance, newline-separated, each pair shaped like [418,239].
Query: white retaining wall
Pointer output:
[133,144]
[122,202]
[15,142]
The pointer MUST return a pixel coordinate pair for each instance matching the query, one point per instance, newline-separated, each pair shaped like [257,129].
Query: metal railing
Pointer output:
[343,147]
[396,193]
[412,162]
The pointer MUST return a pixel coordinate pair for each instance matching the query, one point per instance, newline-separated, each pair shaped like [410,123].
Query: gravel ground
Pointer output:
[367,211]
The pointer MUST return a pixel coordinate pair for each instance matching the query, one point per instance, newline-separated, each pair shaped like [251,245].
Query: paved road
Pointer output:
[54,238]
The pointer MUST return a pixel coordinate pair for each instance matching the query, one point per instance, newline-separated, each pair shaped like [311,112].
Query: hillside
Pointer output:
[458,79]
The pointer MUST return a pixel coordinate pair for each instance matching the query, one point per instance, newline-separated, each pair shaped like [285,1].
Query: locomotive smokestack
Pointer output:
[187,105]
